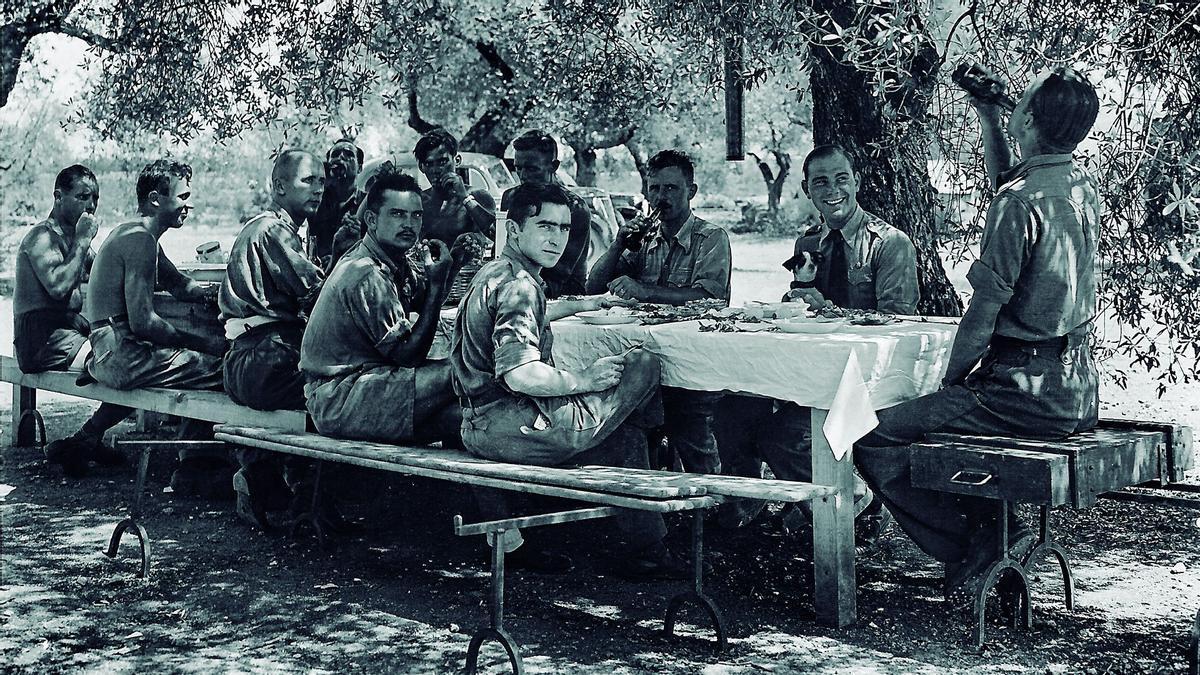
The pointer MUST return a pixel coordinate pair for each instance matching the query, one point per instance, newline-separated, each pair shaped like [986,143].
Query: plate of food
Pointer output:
[806,325]
[608,317]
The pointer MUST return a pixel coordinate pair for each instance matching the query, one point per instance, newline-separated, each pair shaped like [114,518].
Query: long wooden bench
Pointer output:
[1071,472]
[209,406]
[605,489]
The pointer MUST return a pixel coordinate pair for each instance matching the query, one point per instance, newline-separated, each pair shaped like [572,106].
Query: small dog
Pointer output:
[803,267]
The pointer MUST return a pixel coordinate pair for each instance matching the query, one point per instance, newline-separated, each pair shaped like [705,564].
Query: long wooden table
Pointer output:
[843,377]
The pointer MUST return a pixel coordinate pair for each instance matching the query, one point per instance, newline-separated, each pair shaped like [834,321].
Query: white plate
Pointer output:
[809,326]
[606,317]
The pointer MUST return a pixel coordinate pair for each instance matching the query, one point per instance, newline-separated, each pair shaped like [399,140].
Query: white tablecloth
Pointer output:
[851,373]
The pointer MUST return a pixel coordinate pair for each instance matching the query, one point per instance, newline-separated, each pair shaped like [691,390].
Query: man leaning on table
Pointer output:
[1026,327]
[865,263]
[518,407]
[686,258]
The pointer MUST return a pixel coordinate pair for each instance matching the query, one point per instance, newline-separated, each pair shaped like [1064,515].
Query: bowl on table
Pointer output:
[806,325]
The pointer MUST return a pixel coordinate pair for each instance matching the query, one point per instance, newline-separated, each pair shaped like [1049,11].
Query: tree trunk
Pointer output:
[895,180]
[637,150]
[585,165]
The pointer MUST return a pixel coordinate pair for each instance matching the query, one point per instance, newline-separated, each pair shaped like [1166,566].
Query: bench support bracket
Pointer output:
[1019,584]
[26,418]
[697,594]
[1047,546]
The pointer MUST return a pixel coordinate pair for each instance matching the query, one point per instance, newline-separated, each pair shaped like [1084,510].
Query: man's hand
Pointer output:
[452,187]
[632,231]
[811,296]
[437,263]
[627,288]
[604,374]
[469,246]
[85,229]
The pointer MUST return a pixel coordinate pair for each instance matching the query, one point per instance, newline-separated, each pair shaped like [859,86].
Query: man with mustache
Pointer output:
[49,332]
[686,259]
[365,348]
[270,286]
[132,346]
[342,164]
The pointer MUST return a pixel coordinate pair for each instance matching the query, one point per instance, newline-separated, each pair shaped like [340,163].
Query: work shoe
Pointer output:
[255,496]
[870,525]
[738,513]
[656,563]
[964,578]
[77,450]
[203,477]
[537,560]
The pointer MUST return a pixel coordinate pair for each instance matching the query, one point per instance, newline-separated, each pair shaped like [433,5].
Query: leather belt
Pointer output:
[489,395]
[109,321]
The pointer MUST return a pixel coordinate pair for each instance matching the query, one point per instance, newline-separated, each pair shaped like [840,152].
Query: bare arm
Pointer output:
[538,378]
[997,155]
[178,284]
[138,256]
[974,334]
[61,275]
[608,267]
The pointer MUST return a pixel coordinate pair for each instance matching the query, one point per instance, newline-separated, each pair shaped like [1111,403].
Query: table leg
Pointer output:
[833,532]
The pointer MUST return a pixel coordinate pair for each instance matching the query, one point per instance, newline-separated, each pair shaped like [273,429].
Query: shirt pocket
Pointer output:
[680,276]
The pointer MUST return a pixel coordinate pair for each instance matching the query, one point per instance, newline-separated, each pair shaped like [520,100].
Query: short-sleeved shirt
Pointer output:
[697,256]
[1038,254]
[501,325]
[569,276]
[269,278]
[881,263]
[363,313]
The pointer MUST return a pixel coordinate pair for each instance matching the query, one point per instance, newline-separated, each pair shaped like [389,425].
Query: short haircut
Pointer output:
[286,163]
[675,158]
[389,180]
[527,200]
[826,150]
[536,140]
[1064,108]
[357,150]
[65,180]
[432,140]
[157,177]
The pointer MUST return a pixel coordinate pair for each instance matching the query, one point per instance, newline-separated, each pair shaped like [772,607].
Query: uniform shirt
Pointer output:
[881,263]
[29,293]
[362,315]
[268,277]
[501,324]
[569,276]
[697,256]
[1038,254]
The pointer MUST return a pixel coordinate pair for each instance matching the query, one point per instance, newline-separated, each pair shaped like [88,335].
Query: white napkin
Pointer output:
[851,415]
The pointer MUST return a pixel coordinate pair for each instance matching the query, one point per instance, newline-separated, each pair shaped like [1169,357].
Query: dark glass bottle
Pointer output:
[982,83]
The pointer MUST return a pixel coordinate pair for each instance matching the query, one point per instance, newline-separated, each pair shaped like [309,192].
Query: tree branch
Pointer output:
[91,37]
[415,121]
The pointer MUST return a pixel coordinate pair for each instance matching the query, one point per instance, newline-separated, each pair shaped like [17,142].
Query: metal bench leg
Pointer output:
[697,594]
[1047,545]
[495,631]
[1194,648]
[135,513]
[1019,586]
[26,418]
[313,515]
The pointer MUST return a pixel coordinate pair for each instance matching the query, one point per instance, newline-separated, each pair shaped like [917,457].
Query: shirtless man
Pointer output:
[132,346]
[50,334]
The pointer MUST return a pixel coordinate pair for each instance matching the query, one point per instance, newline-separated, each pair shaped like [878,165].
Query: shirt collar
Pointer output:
[281,213]
[684,236]
[511,253]
[857,222]
[381,255]
[1037,161]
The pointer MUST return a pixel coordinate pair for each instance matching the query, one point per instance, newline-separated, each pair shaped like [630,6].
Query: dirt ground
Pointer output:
[405,594]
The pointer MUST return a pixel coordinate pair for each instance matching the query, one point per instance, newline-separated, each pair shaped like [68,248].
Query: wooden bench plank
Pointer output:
[1178,437]
[209,406]
[1101,460]
[458,462]
[776,490]
[669,505]
[995,473]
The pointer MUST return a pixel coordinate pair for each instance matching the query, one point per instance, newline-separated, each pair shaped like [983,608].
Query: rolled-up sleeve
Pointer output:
[896,275]
[517,333]
[1008,237]
[290,270]
[713,264]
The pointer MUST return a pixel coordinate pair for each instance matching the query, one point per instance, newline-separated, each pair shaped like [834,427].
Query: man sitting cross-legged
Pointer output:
[364,350]
[132,346]
[49,332]
[517,407]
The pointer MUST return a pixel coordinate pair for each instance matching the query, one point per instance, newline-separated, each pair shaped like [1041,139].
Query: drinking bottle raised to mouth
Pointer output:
[977,80]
